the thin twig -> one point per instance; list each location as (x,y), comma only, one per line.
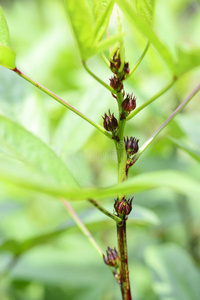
(153,98)
(105,211)
(139,60)
(98,79)
(169,119)
(82,227)
(61,101)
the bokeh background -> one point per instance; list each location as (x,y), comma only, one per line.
(164,227)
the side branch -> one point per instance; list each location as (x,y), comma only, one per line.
(169,119)
(105,211)
(82,226)
(153,98)
(61,101)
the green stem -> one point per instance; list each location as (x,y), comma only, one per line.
(139,60)
(106,212)
(105,60)
(153,98)
(82,227)
(120,146)
(98,79)
(61,101)
(121,229)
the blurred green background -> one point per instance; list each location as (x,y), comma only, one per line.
(57,262)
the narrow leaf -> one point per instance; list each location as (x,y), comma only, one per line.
(7,55)
(22,176)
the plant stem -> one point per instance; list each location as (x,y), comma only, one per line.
(139,60)
(121,229)
(82,227)
(98,79)
(153,98)
(61,101)
(105,211)
(169,119)
(122,249)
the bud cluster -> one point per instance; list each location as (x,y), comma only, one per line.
(112,258)
(123,207)
(116,82)
(110,122)
(131,145)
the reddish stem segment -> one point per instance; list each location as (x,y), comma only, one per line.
(122,248)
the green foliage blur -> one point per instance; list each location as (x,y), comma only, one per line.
(43,254)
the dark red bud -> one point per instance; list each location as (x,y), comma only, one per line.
(131,145)
(123,207)
(129,103)
(116,83)
(126,68)
(115,62)
(110,122)
(112,258)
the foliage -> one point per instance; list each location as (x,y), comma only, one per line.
(47,152)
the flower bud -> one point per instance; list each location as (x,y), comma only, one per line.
(116,83)
(110,122)
(115,63)
(131,145)
(123,207)
(129,103)
(112,258)
(126,68)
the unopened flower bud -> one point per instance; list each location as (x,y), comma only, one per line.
(112,258)
(126,68)
(110,122)
(129,103)
(123,207)
(131,145)
(116,83)
(115,62)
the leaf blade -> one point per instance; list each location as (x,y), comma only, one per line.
(146,8)
(7,55)
(82,24)
(24,149)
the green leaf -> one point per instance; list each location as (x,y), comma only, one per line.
(29,155)
(192,152)
(146,8)
(87,31)
(103,20)
(24,177)
(174,273)
(80,17)
(98,8)
(81,20)
(104,44)
(138,22)
(7,55)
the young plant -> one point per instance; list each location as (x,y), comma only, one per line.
(89,27)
